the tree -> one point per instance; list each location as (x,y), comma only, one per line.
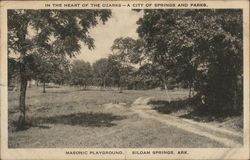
(158,73)
(121,71)
(102,72)
(81,73)
(53,31)
(202,48)
(114,70)
(62,73)
(126,51)
(130,51)
(47,67)
(144,78)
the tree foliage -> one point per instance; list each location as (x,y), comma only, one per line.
(81,73)
(57,32)
(124,54)
(202,48)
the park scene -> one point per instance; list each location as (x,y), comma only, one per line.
(159,78)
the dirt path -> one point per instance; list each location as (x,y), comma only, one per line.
(226,137)
(221,135)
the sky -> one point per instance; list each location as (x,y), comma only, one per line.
(121,24)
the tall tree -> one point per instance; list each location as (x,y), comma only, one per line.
(55,31)
(126,51)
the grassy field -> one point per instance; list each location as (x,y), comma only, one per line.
(66,117)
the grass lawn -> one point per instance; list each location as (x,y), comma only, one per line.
(66,117)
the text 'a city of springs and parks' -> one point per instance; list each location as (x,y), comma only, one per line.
(138,5)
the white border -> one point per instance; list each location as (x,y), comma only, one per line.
(194,153)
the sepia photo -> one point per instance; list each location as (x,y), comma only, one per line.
(144,82)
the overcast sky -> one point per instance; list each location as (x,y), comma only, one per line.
(121,24)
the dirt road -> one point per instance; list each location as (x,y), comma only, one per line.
(226,137)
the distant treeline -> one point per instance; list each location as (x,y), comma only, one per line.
(105,72)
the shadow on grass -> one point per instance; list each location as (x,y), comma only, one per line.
(80,119)
(201,117)
(206,114)
(166,107)
(81,90)
(28,125)
(191,109)
(59,92)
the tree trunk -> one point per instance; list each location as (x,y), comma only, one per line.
(23,76)
(235,100)
(101,86)
(29,84)
(236,97)
(23,86)
(104,83)
(120,85)
(44,87)
(120,90)
(190,91)
(166,90)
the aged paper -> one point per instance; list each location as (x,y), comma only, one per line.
(71,136)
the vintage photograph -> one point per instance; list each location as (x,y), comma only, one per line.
(128,78)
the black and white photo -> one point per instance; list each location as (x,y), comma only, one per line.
(157,80)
